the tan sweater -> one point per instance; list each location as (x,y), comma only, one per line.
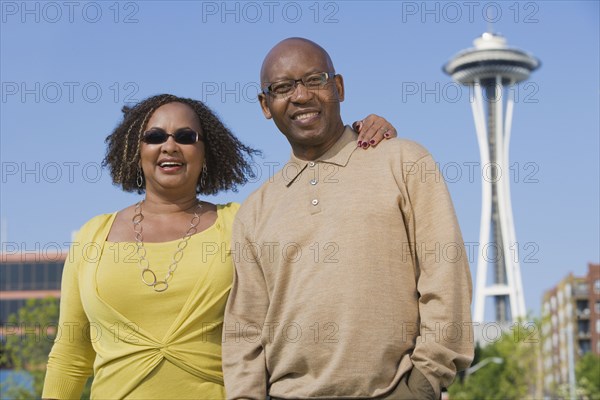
(350,271)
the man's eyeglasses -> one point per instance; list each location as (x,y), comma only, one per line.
(182,136)
(286,87)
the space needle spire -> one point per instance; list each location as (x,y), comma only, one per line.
(490,69)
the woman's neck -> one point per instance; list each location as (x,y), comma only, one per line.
(157,204)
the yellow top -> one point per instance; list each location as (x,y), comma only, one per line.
(141,343)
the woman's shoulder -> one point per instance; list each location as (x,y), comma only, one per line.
(98,220)
(230,208)
(227,213)
(96,224)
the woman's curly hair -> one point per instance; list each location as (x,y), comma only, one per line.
(228,161)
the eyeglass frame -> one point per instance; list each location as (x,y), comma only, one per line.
(199,137)
(267,90)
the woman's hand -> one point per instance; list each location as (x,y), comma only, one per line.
(372,130)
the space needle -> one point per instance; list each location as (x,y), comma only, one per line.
(490,69)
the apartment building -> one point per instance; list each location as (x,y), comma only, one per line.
(570,325)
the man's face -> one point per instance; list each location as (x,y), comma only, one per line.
(309,118)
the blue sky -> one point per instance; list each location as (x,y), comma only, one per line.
(67,68)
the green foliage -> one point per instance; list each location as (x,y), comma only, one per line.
(514,378)
(30,334)
(587,371)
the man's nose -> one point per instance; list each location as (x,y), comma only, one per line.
(300,93)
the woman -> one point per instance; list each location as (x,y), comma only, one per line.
(144,289)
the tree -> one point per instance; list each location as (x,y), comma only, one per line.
(29,337)
(587,371)
(30,334)
(514,378)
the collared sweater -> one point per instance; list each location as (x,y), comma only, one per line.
(350,271)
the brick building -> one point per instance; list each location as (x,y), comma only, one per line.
(570,325)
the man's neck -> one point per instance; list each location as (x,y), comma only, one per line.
(311,153)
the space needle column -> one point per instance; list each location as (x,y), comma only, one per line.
(490,69)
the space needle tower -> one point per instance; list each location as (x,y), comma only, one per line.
(490,69)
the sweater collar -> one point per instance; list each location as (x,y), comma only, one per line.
(339,154)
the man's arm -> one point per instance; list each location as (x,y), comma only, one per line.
(445,342)
(244,367)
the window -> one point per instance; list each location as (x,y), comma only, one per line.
(4,282)
(581,305)
(585,346)
(31,276)
(28,276)
(597,286)
(583,326)
(597,307)
(54,275)
(13,273)
(39,278)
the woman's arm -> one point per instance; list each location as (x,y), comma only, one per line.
(72,355)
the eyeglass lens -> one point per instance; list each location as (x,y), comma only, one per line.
(182,136)
(312,81)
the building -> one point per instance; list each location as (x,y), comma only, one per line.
(490,69)
(593,279)
(570,326)
(28,276)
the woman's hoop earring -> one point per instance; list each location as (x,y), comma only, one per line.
(139,179)
(203,176)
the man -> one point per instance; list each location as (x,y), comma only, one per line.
(351,278)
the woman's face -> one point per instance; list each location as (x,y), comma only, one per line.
(171,166)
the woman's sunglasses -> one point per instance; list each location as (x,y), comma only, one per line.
(182,136)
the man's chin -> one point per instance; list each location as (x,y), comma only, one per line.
(306,136)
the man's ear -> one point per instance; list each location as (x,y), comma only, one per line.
(339,84)
(262,98)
